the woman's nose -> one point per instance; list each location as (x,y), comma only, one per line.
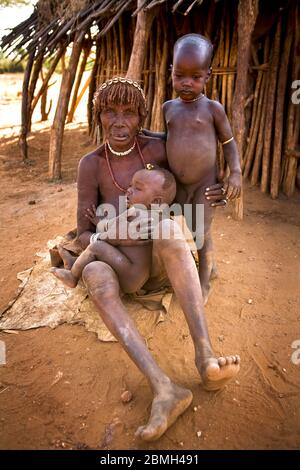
(119,120)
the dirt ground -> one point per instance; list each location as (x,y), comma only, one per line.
(61,388)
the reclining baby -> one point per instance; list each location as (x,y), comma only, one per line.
(151,188)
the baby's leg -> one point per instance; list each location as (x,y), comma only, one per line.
(71,277)
(205,253)
(131,264)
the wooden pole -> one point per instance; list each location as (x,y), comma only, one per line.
(272,80)
(279,115)
(142,29)
(57,129)
(247,14)
(86,52)
(24,112)
(47,78)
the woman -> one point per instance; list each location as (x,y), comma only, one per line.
(103,176)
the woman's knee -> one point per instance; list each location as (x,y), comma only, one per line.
(168,234)
(100,278)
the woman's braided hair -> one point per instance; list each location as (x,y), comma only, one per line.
(123,91)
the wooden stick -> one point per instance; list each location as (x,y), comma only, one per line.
(74,103)
(279,116)
(272,78)
(57,129)
(247,14)
(24,124)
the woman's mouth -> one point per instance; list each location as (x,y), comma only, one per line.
(119,137)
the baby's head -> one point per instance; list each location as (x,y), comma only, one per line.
(191,65)
(151,186)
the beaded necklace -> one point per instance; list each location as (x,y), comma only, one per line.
(110,168)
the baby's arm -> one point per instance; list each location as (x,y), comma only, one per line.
(233,183)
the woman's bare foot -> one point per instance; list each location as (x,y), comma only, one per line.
(67,258)
(215,373)
(65,276)
(166,408)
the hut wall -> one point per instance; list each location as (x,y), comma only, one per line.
(262,162)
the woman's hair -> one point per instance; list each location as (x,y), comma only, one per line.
(121,91)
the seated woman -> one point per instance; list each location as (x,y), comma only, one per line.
(103,176)
(148,188)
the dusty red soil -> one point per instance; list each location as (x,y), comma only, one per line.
(61,388)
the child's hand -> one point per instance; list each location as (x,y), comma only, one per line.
(90,213)
(232,185)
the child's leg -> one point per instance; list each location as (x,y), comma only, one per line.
(71,277)
(132,265)
(132,272)
(207,266)
(67,258)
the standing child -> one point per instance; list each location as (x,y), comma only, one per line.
(194,124)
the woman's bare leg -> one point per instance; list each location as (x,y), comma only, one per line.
(170,400)
(174,253)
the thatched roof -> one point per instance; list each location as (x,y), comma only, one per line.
(58,21)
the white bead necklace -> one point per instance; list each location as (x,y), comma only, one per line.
(121,154)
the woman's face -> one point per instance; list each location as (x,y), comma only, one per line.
(120,125)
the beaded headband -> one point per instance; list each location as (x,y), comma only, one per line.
(128,81)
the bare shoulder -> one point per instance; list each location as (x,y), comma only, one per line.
(91,160)
(168,104)
(153,147)
(217,109)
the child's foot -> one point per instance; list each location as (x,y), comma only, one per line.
(166,408)
(67,258)
(215,373)
(65,276)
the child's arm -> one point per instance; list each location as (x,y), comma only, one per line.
(159,135)
(233,183)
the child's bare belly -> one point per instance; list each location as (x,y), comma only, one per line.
(192,159)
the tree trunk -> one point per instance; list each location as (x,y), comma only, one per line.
(44,111)
(25,116)
(86,52)
(57,129)
(247,14)
(279,116)
(33,81)
(47,78)
(142,31)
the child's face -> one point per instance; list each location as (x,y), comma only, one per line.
(145,188)
(189,73)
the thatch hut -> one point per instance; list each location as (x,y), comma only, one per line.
(255,65)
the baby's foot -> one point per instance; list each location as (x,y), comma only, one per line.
(65,276)
(166,408)
(67,258)
(215,373)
